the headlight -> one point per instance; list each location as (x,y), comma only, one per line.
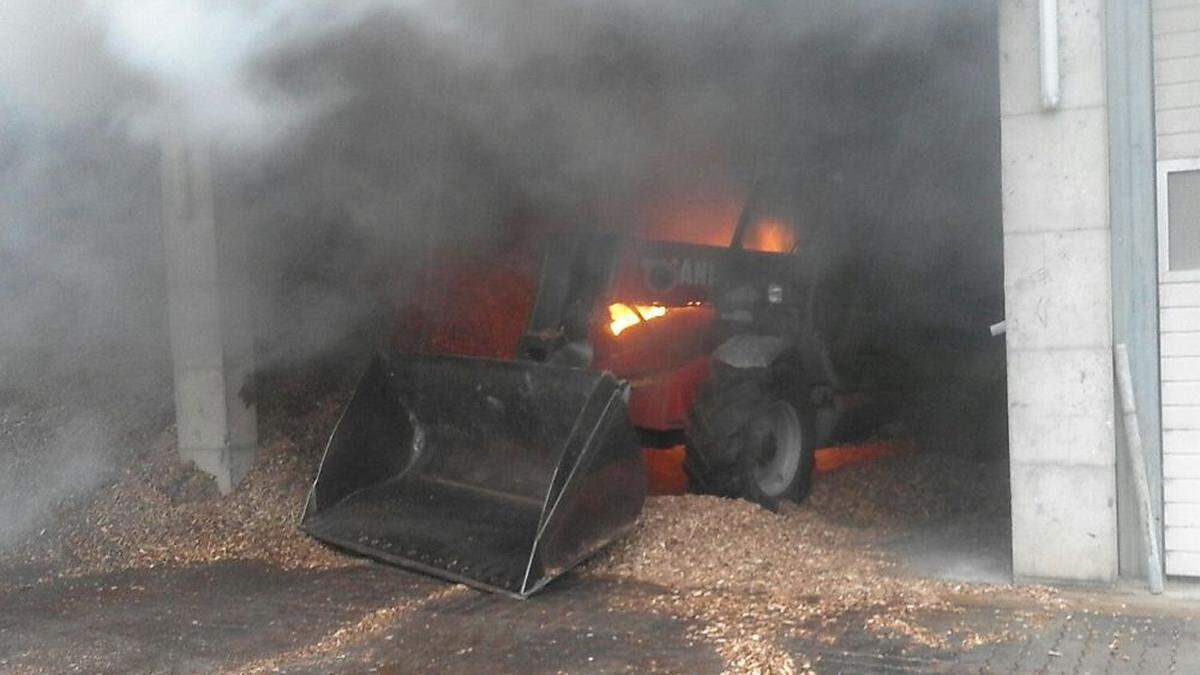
(774,294)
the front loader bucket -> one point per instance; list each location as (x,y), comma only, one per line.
(501,475)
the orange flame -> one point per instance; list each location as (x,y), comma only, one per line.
(623,316)
(770,236)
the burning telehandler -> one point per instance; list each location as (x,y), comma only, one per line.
(504,474)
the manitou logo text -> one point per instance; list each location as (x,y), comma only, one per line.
(663,275)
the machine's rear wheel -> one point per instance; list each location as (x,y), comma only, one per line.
(745,440)
(777,455)
(714,440)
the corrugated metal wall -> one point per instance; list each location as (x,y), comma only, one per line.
(1177,115)
(1177,77)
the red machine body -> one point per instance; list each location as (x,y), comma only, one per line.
(665,360)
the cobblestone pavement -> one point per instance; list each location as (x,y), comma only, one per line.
(1077,642)
(241,617)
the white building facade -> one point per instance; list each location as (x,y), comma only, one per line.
(1100,125)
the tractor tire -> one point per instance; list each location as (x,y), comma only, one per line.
(748,439)
(778,454)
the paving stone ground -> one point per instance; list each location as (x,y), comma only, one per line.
(239,617)
(1067,643)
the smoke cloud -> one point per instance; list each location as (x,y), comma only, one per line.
(348,134)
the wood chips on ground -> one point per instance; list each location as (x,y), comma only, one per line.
(750,579)
(747,578)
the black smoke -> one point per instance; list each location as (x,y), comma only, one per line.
(349,137)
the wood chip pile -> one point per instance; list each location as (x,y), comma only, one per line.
(912,487)
(751,579)
(142,521)
(154,510)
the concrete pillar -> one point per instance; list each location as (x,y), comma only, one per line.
(210,318)
(1058,301)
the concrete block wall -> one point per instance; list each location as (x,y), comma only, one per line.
(1058,300)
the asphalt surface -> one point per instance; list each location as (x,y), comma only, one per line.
(248,617)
